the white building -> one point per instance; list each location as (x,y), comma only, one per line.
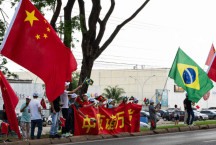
(140,83)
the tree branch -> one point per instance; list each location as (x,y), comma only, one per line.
(67,23)
(104,22)
(93,19)
(118,28)
(56,14)
(82,16)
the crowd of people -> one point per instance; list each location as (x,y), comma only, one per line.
(62,112)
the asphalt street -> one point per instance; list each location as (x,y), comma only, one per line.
(200,137)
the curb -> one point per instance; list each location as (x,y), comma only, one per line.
(93,137)
(173,129)
(105,136)
(194,127)
(160,131)
(59,140)
(150,132)
(203,126)
(185,128)
(123,134)
(210,126)
(78,138)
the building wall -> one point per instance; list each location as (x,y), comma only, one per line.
(139,83)
(142,84)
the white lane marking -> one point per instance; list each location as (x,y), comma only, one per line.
(210,141)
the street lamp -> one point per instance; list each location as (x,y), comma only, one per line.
(142,84)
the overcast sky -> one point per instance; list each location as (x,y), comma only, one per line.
(153,37)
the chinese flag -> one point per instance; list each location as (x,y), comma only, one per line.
(62,120)
(4,128)
(210,55)
(10,102)
(32,43)
(43,104)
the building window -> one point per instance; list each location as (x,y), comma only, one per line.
(178,89)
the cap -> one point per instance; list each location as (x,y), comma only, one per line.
(86,94)
(74,95)
(151,101)
(110,100)
(28,97)
(91,99)
(135,100)
(35,95)
(67,83)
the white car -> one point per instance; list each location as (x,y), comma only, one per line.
(201,115)
(145,125)
(49,120)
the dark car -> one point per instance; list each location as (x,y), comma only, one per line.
(161,112)
(182,115)
(166,116)
(211,114)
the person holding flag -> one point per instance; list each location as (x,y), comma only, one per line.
(65,101)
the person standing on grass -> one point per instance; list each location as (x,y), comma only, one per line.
(190,113)
(55,115)
(36,118)
(65,107)
(25,120)
(152,113)
(176,115)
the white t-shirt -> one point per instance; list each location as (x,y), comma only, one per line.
(33,107)
(64,99)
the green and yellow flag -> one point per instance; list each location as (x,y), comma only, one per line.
(188,75)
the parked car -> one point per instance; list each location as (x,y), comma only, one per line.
(161,112)
(144,117)
(211,114)
(182,115)
(49,120)
(201,115)
(170,109)
(145,113)
(212,109)
(166,116)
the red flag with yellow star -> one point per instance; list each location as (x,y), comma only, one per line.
(32,43)
(10,103)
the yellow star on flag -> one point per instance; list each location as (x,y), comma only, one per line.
(37,36)
(31,17)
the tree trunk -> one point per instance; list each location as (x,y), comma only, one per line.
(67,23)
(87,64)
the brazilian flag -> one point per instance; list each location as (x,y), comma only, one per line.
(188,75)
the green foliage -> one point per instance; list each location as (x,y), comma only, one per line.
(113,93)
(74,81)
(2,30)
(5,70)
(39,4)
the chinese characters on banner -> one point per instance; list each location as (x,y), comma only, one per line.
(108,121)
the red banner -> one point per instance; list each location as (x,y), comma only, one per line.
(108,121)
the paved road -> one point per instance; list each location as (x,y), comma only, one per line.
(201,137)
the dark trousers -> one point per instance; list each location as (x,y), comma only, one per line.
(70,122)
(37,122)
(65,115)
(190,117)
